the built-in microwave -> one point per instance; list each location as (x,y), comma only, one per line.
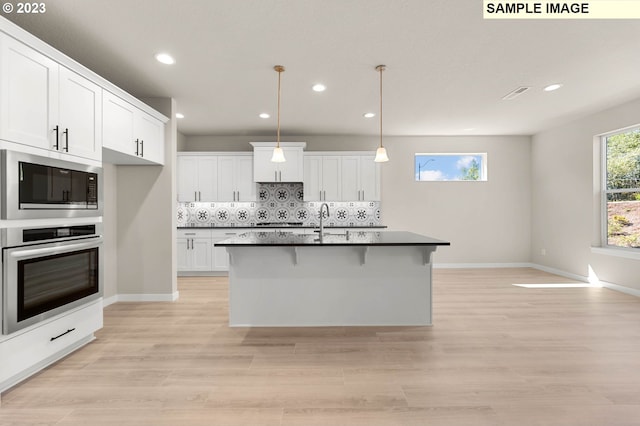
(35,187)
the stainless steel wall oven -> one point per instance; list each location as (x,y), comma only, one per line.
(47,271)
(35,187)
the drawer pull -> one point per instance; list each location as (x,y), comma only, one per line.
(60,335)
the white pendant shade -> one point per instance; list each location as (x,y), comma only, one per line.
(381,155)
(278,155)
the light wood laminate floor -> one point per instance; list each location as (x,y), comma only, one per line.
(497,354)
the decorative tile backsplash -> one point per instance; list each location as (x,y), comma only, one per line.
(278,202)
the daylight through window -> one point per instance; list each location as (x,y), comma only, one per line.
(621,200)
(451,167)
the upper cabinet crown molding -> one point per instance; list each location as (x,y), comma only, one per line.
(302,145)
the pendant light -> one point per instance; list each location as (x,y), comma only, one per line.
(381,152)
(278,154)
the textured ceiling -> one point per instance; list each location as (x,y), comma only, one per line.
(447,68)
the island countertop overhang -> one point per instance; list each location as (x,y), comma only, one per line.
(357,238)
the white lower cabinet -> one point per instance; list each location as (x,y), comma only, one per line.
(197,251)
(194,250)
(25,352)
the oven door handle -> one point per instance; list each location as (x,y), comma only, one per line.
(60,248)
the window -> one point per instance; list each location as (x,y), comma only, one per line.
(451,167)
(621,192)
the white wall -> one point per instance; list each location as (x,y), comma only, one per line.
(486,222)
(146,225)
(110,223)
(565,198)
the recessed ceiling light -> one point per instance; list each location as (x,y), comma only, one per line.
(552,87)
(165,58)
(264,115)
(179,115)
(319,87)
(368,115)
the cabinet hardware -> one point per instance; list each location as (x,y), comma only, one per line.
(137,147)
(57,145)
(324,195)
(66,139)
(141,147)
(363,195)
(280,179)
(195,195)
(275,174)
(60,335)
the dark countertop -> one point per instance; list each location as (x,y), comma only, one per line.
(355,238)
(280,226)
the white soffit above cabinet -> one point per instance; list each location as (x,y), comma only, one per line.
(447,68)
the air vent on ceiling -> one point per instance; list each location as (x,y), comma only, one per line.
(515,93)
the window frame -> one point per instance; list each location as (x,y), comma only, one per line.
(604,191)
(484,177)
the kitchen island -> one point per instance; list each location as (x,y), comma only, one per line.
(349,279)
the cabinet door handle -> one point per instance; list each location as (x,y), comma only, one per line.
(141,147)
(195,195)
(280,176)
(324,195)
(60,335)
(57,130)
(199,196)
(66,140)
(363,197)
(137,147)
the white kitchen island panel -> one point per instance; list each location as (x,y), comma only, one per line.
(333,283)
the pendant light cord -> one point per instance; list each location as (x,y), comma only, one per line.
(279,69)
(381,68)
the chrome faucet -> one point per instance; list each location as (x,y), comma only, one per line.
(322,206)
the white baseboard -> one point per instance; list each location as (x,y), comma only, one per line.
(562,273)
(109,300)
(622,289)
(172,297)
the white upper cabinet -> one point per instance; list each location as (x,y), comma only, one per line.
(45,105)
(360,178)
(130,135)
(215,177)
(80,116)
(292,170)
(29,91)
(235,178)
(197,176)
(322,177)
